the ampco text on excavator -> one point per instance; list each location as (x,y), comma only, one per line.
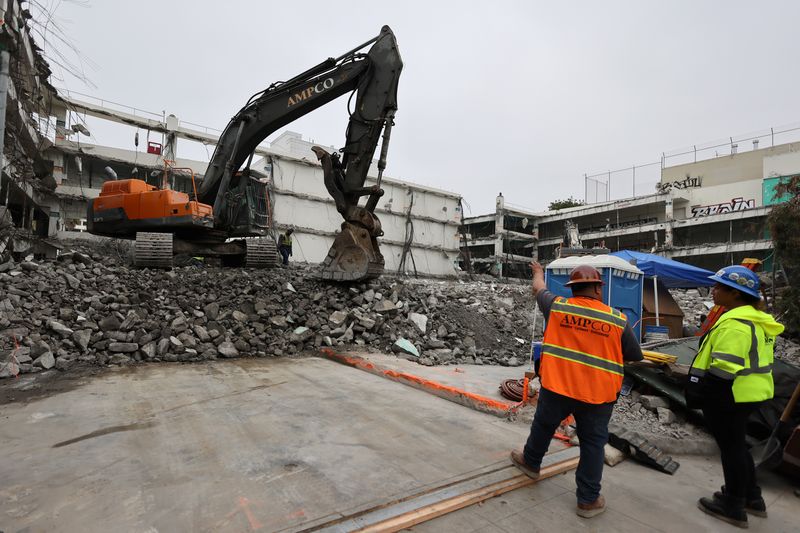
(226,215)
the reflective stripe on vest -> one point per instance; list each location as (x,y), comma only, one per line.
(750,380)
(583,358)
(582,350)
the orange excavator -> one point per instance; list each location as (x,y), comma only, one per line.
(227,214)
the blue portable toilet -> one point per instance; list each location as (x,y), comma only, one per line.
(623,287)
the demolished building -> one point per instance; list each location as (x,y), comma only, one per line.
(28,129)
(706,213)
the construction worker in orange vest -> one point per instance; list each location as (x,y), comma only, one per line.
(584,347)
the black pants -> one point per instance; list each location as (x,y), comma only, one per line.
(728,425)
(592,426)
(285,253)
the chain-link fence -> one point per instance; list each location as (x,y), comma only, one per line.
(642,180)
(637,180)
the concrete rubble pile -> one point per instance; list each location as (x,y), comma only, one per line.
(693,303)
(81,311)
(652,414)
(787,350)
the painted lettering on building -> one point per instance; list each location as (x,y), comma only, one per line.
(687,183)
(736,204)
(311,90)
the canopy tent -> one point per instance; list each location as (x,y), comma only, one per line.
(673,274)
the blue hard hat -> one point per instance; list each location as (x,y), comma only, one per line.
(740,278)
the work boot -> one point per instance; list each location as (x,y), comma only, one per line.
(755,505)
(588,510)
(518,458)
(727,509)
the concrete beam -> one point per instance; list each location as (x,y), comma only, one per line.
(378,210)
(484,241)
(505,258)
(582,211)
(618,232)
(721,248)
(516,235)
(724,217)
(159,126)
(478,220)
(299,230)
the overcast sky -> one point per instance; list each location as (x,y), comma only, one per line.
(522,97)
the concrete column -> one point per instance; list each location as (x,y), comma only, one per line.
(499,231)
(670,218)
(60,113)
(171,144)
(535,249)
(4,58)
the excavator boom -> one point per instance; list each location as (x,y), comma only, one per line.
(374,76)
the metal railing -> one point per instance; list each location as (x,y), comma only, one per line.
(641,180)
(135,111)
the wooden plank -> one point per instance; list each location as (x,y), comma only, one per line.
(432,504)
(448,506)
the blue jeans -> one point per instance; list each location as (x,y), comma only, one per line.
(285,254)
(592,424)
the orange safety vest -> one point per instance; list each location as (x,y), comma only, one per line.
(582,350)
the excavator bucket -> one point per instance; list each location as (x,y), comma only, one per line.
(353,256)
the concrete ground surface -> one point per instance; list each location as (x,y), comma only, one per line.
(478,379)
(283,444)
(266,445)
(637,499)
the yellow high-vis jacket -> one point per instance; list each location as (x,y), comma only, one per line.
(739,349)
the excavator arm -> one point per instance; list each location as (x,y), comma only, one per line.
(374,76)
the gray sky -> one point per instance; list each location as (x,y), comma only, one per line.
(522,97)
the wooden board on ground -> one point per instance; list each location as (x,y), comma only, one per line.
(405,513)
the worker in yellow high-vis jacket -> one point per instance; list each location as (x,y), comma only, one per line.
(729,379)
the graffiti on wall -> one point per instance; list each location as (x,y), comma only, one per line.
(736,204)
(687,183)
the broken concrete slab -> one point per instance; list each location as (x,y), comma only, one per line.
(59,328)
(384,306)
(110,323)
(420,321)
(665,415)
(301,334)
(337,318)
(46,361)
(227,349)
(653,402)
(8,369)
(405,346)
(613,456)
(123,347)
(82,338)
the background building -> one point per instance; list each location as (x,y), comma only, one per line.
(708,213)
(27,129)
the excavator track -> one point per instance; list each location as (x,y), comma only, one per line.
(261,253)
(153,250)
